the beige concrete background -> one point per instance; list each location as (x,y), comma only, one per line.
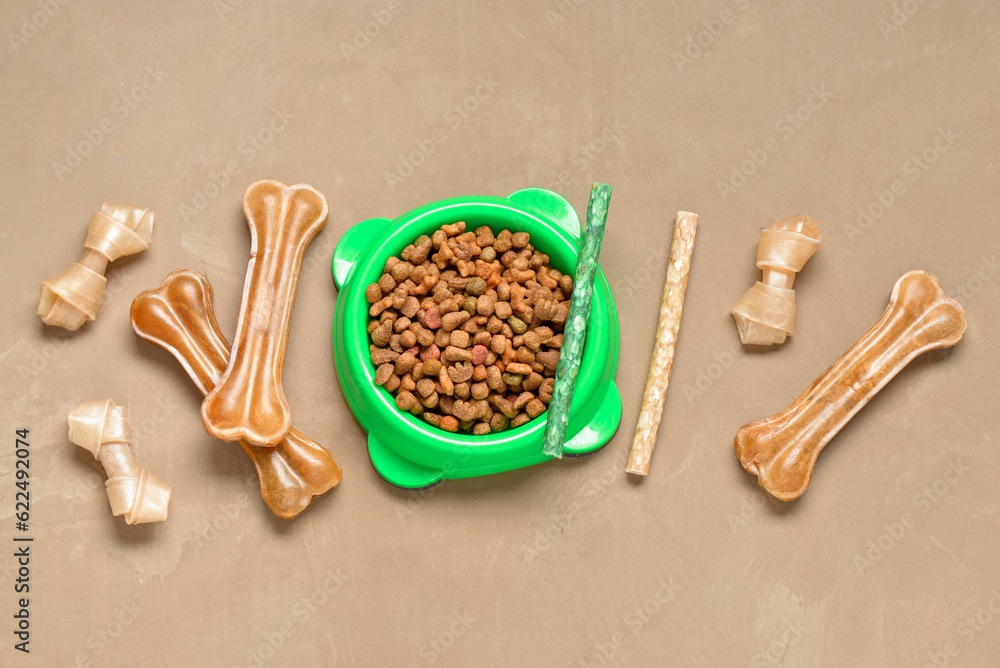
(742,111)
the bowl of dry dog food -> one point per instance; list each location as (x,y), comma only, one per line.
(448,330)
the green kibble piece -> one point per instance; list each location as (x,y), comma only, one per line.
(488,254)
(517,325)
(512,378)
(475,287)
(470,304)
(422,239)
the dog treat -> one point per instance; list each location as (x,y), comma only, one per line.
(178,316)
(766,313)
(466,328)
(102,428)
(248,403)
(782,450)
(72,298)
(576,322)
(667,328)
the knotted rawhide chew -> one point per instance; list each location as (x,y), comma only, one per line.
(178,316)
(248,403)
(575,332)
(72,298)
(766,313)
(102,428)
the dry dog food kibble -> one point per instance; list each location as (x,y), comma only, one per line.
(466,328)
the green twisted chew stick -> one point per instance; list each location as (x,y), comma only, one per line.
(575,333)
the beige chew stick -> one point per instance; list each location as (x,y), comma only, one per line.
(666,343)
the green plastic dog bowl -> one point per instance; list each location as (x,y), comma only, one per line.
(404,449)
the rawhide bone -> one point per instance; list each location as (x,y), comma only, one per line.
(102,428)
(178,316)
(766,313)
(72,297)
(248,403)
(782,450)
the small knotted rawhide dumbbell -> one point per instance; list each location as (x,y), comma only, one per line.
(72,297)
(766,313)
(102,428)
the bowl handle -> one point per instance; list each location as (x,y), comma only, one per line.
(398,471)
(551,205)
(352,244)
(600,427)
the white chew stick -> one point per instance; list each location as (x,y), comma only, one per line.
(666,343)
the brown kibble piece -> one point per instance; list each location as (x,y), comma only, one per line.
(454,320)
(405,401)
(449,423)
(532,382)
(425,387)
(518,369)
(534,408)
(383,373)
(481,429)
(454,354)
(373,293)
(520,419)
(432,367)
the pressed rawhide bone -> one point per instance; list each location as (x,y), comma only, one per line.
(782,450)
(102,428)
(178,316)
(248,403)
(766,313)
(72,297)
(671,306)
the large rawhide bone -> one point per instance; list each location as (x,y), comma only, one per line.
(765,315)
(102,428)
(782,450)
(178,316)
(248,403)
(72,297)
